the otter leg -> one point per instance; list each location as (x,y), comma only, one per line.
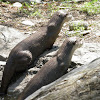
(24,58)
(7,75)
(16,63)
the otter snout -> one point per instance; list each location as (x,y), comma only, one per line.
(77,42)
(66,14)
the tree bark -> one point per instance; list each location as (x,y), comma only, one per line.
(82,83)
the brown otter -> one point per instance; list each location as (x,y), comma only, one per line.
(25,52)
(53,69)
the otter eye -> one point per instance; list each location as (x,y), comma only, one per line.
(66,14)
(59,15)
(74,42)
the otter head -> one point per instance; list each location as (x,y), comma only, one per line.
(76,42)
(65,15)
(58,19)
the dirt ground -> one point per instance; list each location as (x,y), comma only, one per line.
(12,17)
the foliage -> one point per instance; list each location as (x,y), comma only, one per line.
(76,31)
(76,28)
(30,10)
(1,0)
(92,7)
(38,9)
(35,9)
(45,10)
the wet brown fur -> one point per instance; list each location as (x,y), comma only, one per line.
(26,52)
(53,69)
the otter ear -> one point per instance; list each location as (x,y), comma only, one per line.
(51,25)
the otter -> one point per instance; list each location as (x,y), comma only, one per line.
(53,69)
(25,53)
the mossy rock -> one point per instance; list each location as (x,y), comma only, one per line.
(78,25)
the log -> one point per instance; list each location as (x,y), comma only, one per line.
(82,83)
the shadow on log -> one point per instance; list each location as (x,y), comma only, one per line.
(80,84)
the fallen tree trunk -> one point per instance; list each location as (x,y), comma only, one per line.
(82,83)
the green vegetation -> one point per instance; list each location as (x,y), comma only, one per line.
(79,28)
(2,21)
(45,10)
(7,2)
(1,0)
(76,31)
(92,7)
(38,10)
(30,10)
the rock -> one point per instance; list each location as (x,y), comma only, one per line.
(73,33)
(80,84)
(2,63)
(45,57)
(1,70)
(0,75)
(87,53)
(83,55)
(97,34)
(17,4)
(9,37)
(33,71)
(3,57)
(17,87)
(37,1)
(75,25)
(28,22)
